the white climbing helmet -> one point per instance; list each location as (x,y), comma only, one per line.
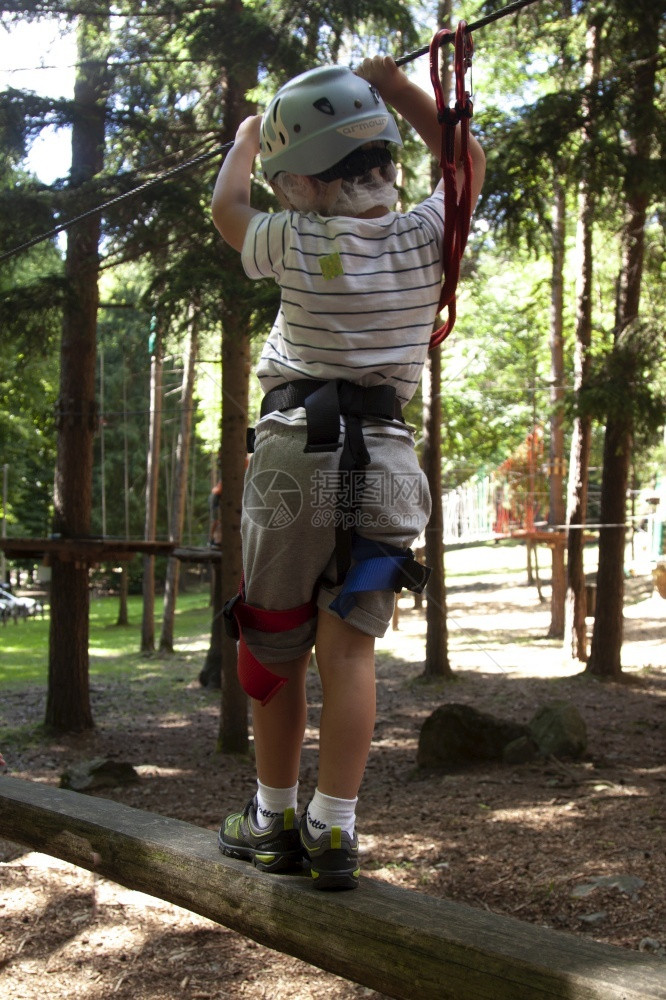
(319,118)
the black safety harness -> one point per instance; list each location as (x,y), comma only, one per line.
(325,402)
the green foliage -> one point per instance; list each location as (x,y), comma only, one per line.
(23,115)
(119,476)
(534,101)
(31,289)
(29,308)
(629,380)
(495,364)
(519,147)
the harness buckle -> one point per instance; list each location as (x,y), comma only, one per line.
(413,576)
(230,623)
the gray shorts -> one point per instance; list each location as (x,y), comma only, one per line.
(288,528)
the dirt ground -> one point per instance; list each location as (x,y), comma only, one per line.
(532,841)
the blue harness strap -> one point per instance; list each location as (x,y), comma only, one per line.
(379,566)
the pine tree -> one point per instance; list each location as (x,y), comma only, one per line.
(637,33)
(68,702)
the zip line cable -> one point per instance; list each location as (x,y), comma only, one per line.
(114,201)
(203,157)
(512,8)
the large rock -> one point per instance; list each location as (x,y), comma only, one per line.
(455,735)
(521,751)
(98,773)
(558,730)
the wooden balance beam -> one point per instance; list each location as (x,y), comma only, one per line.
(402,943)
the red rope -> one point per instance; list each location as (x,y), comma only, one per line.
(457,208)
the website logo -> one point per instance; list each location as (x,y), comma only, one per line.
(272,499)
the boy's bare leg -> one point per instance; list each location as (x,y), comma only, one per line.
(265,832)
(346,661)
(279,726)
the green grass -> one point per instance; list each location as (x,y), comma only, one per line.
(114,649)
(492,559)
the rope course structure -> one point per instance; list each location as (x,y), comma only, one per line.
(512,501)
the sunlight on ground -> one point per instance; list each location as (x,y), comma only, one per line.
(199,645)
(114,924)
(15,901)
(8,650)
(502,627)
(153,771)
(96,653)
(651,607)
(567,814)
(175,722)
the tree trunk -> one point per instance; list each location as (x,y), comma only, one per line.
(575,634)
(556,511)
(575,639)
(605,652)
(236,364)
(68,699)
(233,736)
(123,616)
(152,485)
(180,478)
(210,675)
(436,651)
(437,648)
(533,578)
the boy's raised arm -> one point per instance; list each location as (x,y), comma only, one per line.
(230,205)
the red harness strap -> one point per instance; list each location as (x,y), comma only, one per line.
(256,679)
(457,210)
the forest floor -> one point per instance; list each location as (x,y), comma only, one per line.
(576,846)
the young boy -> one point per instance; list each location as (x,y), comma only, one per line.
(359,293)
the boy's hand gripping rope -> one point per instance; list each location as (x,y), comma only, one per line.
(457,205)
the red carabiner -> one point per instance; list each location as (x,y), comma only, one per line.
(442,36)
(457,208)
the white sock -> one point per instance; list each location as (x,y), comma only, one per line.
(325,812)
(272,802)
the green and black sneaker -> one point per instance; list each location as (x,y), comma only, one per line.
(277,848)
(333,857)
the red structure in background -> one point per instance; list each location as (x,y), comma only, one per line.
(522,489)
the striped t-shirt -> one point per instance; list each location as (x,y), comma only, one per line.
(359,296)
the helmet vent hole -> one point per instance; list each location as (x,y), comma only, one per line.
(324,105)
(297,128)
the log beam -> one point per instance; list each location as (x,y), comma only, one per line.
(401,943)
